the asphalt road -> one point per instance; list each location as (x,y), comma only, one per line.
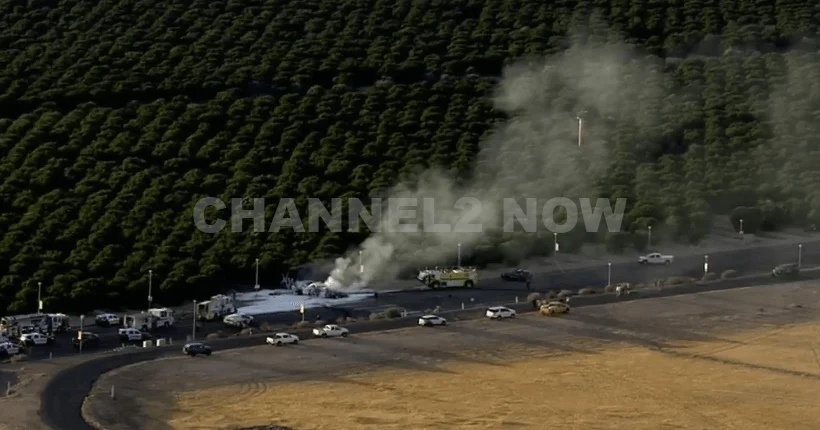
(490,291)
(62,399)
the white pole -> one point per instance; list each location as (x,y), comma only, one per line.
(799,256)
(150,299)
(361,262)
(705,264)
(555,241)
(256,285)
(649,239)
(39,298)
(580,130)
(459,255)
(608,274)
(741,227)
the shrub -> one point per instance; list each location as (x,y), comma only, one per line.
(609,289)
(552,294)
(391,313)
(246,331)
(729,274)
(709,276)
(265,326)
(678,280)
(217,335)
(566,293)
(18,357)
(587,291)
(302,324)
(377,316)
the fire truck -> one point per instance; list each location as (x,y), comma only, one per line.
(466,277)
(150,320)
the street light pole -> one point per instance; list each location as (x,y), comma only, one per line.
(256,285)
(705,264)
(608,274)
(80,334)
(649,238)
(459,255)
(799,256)
(193,330)
(150,298)
(741,227)
(555,241)
(39,297)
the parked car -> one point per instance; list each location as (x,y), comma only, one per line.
(36,339)
(7,349)
(331,330)
(431,320)
(133,335)
(500,312)
(517,275)
(106,320)
(238,320)
(280,339)
(194,349)
(554,308)
(87,340)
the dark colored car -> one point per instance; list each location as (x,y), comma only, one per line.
(194,349)
(784,270)
(517,275)
(89,340)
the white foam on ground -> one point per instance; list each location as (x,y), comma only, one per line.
(271,301)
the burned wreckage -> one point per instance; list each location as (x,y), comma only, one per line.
(313,288)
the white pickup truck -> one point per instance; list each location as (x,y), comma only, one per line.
(330,330)
(656,258)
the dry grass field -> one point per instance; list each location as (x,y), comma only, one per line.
(744,359)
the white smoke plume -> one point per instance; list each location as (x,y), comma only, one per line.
(534,154)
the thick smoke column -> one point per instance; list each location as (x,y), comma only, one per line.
(532,155)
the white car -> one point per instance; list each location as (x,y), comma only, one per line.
(656,258)
(499,312)
(132,335)
(106,320)
(431,320)
(331,330)
(280,339)
(8,349)
(238,320)
(32,339)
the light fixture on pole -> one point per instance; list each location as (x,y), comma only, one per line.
(741,227)
(150,297)
(39,297)
(705,264)
(649,237)
(256,285)
(608,274)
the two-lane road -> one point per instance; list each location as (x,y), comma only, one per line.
(492,291)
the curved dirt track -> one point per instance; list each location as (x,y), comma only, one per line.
(592,351)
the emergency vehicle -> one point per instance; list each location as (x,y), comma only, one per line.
(152,319)
(16,325)
(218,306)
(449,277)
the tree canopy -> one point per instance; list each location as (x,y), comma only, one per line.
(116,118)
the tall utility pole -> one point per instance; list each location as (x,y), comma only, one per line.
(649,238)
(580,118)
(150,298)
(459,255)
(39,297)
(361,263)
(555,241)
(256,285)
(799,256)
(608,274)
(193,329)
(705,264)
(741,227)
